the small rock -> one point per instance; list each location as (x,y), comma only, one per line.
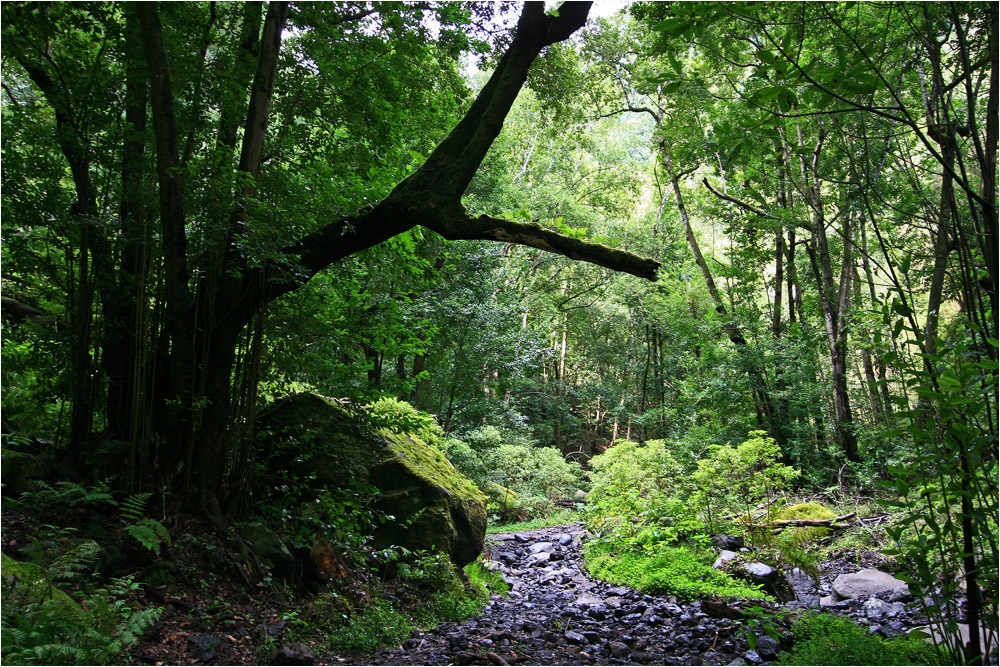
(294,653)
(642,657)
(725,556)
(875,608)
(767,647)
(520,537)
(799,580)
(752,657)
(639,644)
(575,638)
(565,540)
(539,547)
(728,542)
(539,557)
(901,594)
(588,600)
(738,661)
(618,649)
(204,648)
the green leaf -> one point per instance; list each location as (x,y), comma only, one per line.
(674,27)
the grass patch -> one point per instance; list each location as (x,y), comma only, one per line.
(683,571)
(560,518)
(830,639)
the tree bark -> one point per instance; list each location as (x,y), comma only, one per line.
(834,298)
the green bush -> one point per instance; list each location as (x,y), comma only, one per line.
(830,639)
(683,571)
(520,479)
(374,628)
(735,479)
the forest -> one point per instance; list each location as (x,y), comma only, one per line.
(499,333)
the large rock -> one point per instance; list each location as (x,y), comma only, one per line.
(864,583)
(21,472)
(271,549)
(433,505)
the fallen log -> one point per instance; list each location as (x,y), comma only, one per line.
(821,523)
(717,609)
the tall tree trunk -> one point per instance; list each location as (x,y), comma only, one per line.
(766,415)
(834,297)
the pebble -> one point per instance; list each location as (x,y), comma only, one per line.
(557,615)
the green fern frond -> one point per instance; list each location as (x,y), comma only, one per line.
(75,562)
(134,506)
(150,533)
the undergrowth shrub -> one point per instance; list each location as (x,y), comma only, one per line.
(734,480)
(520,479)
(682,570)
(42,625)
(831,639)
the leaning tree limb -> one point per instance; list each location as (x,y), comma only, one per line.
(431,196)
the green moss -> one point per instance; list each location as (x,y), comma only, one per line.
(33,585)
(560,518)
(678,570)
(830,639)
(804,534)
(804,511)
(427,462)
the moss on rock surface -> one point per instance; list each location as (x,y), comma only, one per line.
(332,446)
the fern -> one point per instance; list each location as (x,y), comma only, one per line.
(134,506)
(70,494)
(100,631)
(73,564)
(150,533)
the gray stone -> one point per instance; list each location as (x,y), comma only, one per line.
(588,600)
(752,657)
(728,542)
(767,647)
(800,581)
(538,547)
(203,647)
(618,649)
(565,540)
(725,556)
(808,601)
(875,608)
(864,583)
(294,653)
(901,594)
(575,638)
(539,558)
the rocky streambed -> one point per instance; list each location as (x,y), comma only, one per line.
(557,615)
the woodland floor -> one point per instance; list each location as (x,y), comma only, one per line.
(555,613)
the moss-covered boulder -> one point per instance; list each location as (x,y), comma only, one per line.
(323,444)
(27,583)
